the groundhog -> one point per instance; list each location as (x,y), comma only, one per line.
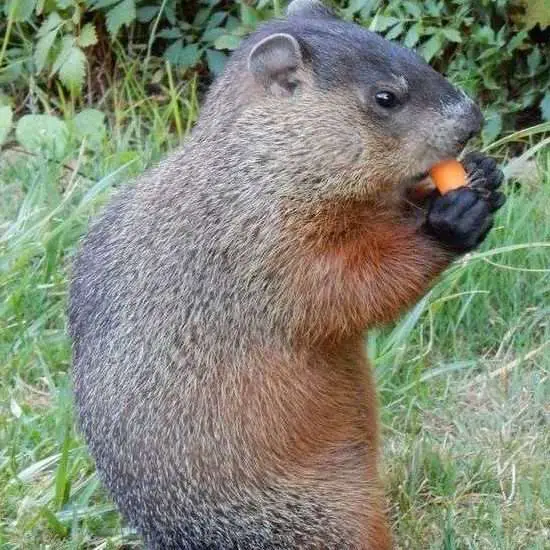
(219,304)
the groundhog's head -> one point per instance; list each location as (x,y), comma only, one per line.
(339,108)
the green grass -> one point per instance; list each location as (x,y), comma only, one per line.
(463,378)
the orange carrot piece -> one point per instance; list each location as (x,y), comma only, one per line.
(448,175)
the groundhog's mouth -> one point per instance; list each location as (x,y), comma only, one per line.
(418,188)
(419,177)
(420,180)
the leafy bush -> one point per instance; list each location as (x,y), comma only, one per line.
(498,50)
(50,38)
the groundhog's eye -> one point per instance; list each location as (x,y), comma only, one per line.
(386,99)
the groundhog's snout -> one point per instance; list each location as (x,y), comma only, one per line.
(469,121)
(471,124)
(461,121)
(457,120)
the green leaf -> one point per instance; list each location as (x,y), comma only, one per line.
(122,14)
(451,34)
(98,4)
(413,9)
(413,36)
(489,81)
(183,56)
(216,19)
(146,14)
(19,10)
(488,53)
(527,100)
(395,31)
(170,34)
(517,41)
(382,23)
(355,6)
(502,36)
(77,15)
(42,50)
(431,47)
(66,45)
(370,7)
(89,124)
(6,119)
(545,106)
(173,52)
(232,24)
(485,35)
(249,16)
(88,36)
(11,73)
(433,8)
(49,24)
(227,42)
(37,133)
(493,127)
(200,17)
(534,60)
(216,61)
(64,4)
(73,71)
(432,30)
(210,35)
(170,14)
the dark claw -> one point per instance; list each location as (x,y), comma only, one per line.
(484,170)
(485,177)
(488,165)
(475,156)
(472,160)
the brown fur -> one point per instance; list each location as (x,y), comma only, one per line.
(382,260)
(317,410)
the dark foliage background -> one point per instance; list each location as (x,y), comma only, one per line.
(498,50)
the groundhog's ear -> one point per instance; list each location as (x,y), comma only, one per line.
(308,8)
(275,61)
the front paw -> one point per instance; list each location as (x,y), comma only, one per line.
(460,219)
(485,177)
